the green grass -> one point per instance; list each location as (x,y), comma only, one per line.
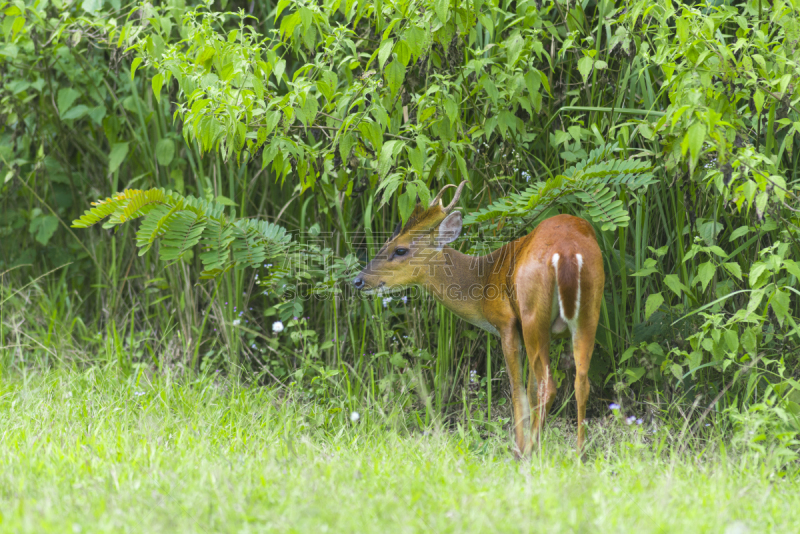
(97,451)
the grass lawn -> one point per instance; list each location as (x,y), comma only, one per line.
(93,451)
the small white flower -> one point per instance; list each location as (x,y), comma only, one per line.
(237,322)
(139,393)
(404,299)
(354,417)
(277,327)
(386,301)
(253,346)
(630,420)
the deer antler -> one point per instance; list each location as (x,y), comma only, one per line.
(452,204)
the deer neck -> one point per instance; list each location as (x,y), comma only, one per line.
(457,281)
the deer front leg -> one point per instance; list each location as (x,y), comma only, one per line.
(519,399)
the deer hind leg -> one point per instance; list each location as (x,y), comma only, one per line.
(540,377)
(519,400)
(582,348)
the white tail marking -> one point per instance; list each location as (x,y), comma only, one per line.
(572,323)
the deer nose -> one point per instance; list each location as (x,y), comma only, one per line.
(358,282)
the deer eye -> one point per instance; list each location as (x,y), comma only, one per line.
(400,251)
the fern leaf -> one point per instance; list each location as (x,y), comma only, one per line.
(215,240)
(183,222)
(155,225)
(591,182)
(184,233)
(103,209)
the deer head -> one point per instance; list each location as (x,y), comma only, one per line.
(408,256)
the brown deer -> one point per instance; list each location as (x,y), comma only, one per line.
(546,284)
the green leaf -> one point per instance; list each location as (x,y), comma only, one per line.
(634,374)
(734,269)
(135,65)
(417,159)
(462,166)
(66,97)
(792,268)
(75,113)
(718,251)
(92,6)
(705,272)
(693,141)
(758,100)
(732,340)
(397,360)
(403,52)
(97,113)
(17,26)
(43,228)
(739,232)
(157,82)
(271,120)
(533,82)
(648,268)
(386,158)
(654,301)
(407,202)
(306,17)
(395,73)
(673,282)
(749,340)
(118,153)
(676,370)
(346,143)
(9,50)
(758,274)
(629,352)
(225,201)
(204,58)
(165,151)
(280,66)
(513,48)
(585,67)
(780,304)
(385,51)
(442,7)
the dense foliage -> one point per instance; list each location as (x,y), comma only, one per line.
(669,126)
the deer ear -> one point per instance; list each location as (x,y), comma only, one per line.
(397,230)
(449,229)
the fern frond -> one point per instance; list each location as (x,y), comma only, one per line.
(215,242)
(180,223)
(248,251)
(149,229)
(103,209)
(594,182)
(185,232)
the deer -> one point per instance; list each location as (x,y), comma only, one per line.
(545,285)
